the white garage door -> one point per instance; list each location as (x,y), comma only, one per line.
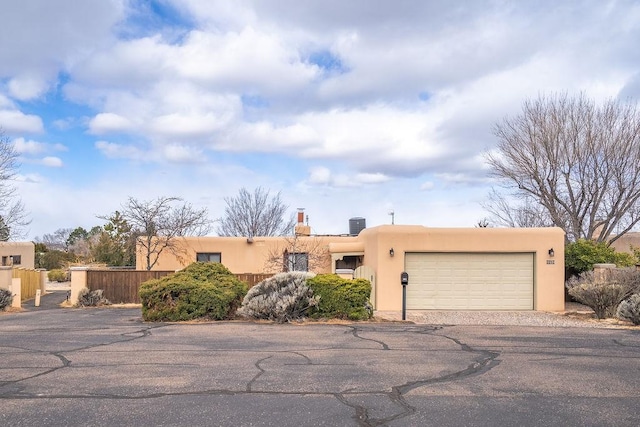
(469,281)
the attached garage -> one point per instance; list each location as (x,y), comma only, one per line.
(470,281)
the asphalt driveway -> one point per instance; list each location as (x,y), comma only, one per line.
(104,367)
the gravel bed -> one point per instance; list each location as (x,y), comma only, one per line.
(575,315)
(57,286)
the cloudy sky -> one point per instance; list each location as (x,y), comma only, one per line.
(348,108)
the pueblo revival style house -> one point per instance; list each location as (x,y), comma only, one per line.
(447,268)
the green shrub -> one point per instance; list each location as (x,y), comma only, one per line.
(629,309)
(580,256)
(282,298)
(200,291)
(341,298)
(603,295)
(6,298)
(87,298)
(624,259)
(58,275)
(54,259)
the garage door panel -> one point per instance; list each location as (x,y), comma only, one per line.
(470,281)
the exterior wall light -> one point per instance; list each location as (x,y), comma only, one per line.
(551,252)
(391,252)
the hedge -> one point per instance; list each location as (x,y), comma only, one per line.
(341,298)
(200,291)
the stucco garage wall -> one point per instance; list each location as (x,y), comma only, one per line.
(548,271)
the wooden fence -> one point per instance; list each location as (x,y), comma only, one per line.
(252,278)
(121,286)
(29,282)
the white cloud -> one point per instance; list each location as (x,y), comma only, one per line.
(427,186)
(31,147)
(109,122)
(29,178)
(371,178)
(391,100)
(28,147)
(5,102)
(462,179)
(319,176)
(27,87)
(57,35)
(322,176)
(370,117)
(52,162)
(118,151)
(12,121)
(183,154)
(250,60)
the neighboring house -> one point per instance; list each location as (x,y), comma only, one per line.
(448,268)
(626,242)
(18,254)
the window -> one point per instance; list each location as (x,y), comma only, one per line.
(297,261)
(209,257)
(12,260)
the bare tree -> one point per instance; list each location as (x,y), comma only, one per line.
(160,223)
(5,231)
(12,210)
(525,212)
(298,253)
(255,214)
(580,162)
(58,240)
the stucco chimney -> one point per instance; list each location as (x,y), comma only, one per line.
(301,229)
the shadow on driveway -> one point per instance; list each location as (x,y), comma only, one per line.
(51,300)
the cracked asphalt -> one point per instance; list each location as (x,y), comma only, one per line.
(105,367)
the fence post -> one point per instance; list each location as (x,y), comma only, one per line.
(43,280)
(78,282)
(16,290)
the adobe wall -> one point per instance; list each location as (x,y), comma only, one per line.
(548,277)
(26,251)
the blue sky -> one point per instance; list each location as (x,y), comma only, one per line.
(349,109)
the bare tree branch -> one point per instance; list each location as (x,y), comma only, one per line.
(255,214)
(12,210)
(159,225)
(298,253)
(573,163)
(57,240)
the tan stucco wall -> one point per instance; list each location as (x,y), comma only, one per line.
(626,241)
(26,250)
(241,256)
(549,278)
